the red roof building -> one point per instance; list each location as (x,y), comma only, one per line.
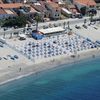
(85,6)
(86,2)
(11,5)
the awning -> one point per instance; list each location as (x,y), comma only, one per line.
(52,30)
(67,11)
(22,35)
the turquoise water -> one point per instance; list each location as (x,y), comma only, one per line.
(80,81)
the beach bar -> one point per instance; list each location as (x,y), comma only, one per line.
(52,30)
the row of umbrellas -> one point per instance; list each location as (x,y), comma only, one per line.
(55,45)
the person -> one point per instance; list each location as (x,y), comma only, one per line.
(19,69)
(93,56)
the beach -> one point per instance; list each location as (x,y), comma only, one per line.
(22,58)
(14,73)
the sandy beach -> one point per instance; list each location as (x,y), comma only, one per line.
(14,72)
(16,62)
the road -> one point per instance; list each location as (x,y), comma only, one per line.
(61,22)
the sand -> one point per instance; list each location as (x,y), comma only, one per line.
(20,70)
(12,70)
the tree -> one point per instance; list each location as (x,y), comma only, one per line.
(64,24)
(37,19)
(19,21)
(85,21)
(91,17)
(83,10)
(4,34)
(10,35)
(68,26)
(1,22)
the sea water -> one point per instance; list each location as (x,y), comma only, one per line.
(79,81)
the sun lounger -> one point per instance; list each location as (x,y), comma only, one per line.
(15,56)
(5,58)
(0,58)
(12,58)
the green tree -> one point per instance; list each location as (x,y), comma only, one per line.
(64,23)
(85,21)
(68,26)
(19,21)
(91,17)
(37,19)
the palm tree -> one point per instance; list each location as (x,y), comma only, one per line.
(91,16)
(10,35)
(37,19)
(4,35)
(70,32)
(84,21)
(64,24)
(68,25)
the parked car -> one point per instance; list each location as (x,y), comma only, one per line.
(85,26)
(80,16)
(15,56)
(5,28)
(45,27)
(73,16)
(78,27)
(55,25)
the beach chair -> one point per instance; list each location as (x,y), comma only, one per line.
(0,58)
(15,56)
(5,58)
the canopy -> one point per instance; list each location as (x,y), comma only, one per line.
(37,35)
(22,35)
(65,10)
(52,30)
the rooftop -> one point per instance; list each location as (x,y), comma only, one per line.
(86,2)
(54,5)
(11,5)
(32,10)
(2,11)
(39,8)
(8,11)
(1,1)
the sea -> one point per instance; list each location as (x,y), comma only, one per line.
(77,81)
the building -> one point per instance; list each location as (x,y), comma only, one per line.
(40,7)
(85,6)
(11,5)
(66,12)
(72,9)
(6,10)
(6,13)
(97,1)
(14,9)
(1,1)
(54,10)
(30,1)
(27,11)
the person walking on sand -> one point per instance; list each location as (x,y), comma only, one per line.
(20,69)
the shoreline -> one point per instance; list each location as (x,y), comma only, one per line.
(35,69)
